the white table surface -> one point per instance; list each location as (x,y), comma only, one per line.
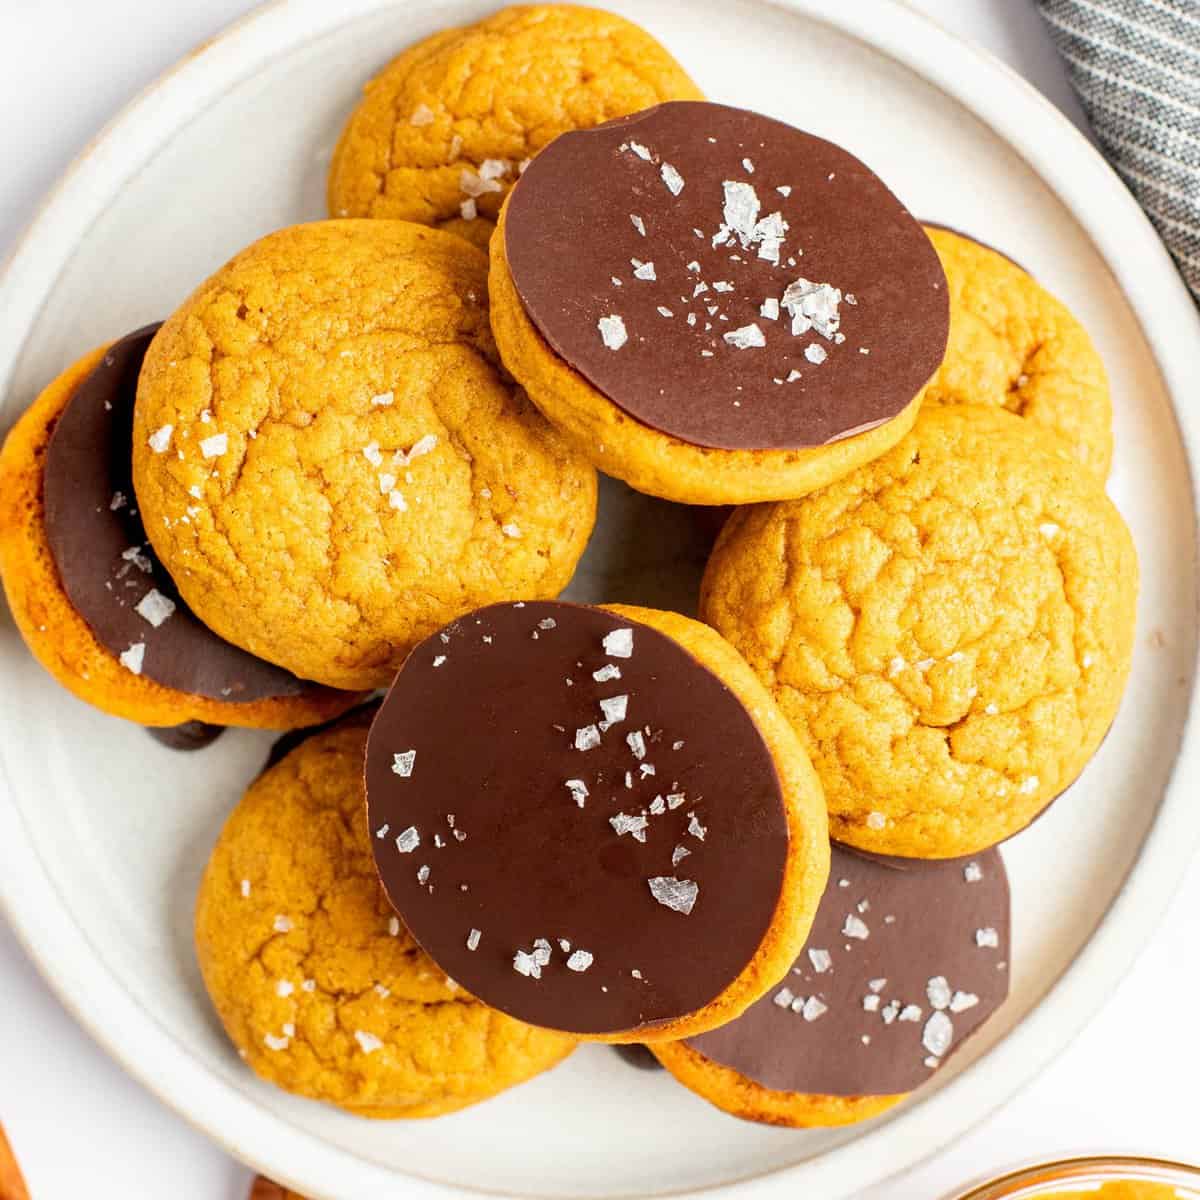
(82,1127)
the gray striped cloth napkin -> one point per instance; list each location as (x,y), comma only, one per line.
(1136,67)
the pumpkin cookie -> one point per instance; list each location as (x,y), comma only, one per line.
(1014,345)
(949,629)
(713,306)
(330,461)
(443,130)
(633,847)
(317,983)
(88,593)
(900,969)
(12,1184)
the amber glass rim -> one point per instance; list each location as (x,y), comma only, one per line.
(1097,1168)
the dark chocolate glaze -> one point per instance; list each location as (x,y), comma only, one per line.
(569,231)
(937,913)
(488,709)
(639,1056)
(105,561)
(191,735)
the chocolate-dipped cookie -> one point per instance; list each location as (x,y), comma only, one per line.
(900,969)
(595,820)
(714,306)
(87,592)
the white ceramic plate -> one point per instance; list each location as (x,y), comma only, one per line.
(103,833)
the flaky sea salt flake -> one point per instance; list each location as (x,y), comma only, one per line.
(938,1034)
(676,894)
(578,790)
(579,960)
(972,872)
(215,446)
(814,1008)
(402,763)
(612,331)
(746,338)
(987,938)
(855,927)
(821,960)
(619,643)
(160,440)
(938,991)
(154,607)
(623,823)
(133,657)
(408,841)
(587,738)
(672,178)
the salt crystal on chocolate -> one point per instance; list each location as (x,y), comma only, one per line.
(154,607)
(938,1034)
(612,331)
(619,643)
(747,337)
(677,894)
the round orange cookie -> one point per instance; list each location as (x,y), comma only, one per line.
(635,845)
(948,628)
(321,989)
(1014,345)
(331,461)
(109,676)
(442,131)
(714,306)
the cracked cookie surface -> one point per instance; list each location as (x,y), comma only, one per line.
(332,464)
(949,628)
(1014,345)
(317,983)
(492,93)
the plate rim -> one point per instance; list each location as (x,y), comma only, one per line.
(1074,172)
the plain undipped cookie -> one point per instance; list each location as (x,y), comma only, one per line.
(948,628)
(330,461)
(1014,345)
(317,983)
(441,131)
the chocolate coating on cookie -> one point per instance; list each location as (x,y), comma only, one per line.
(190,735)
(105,562)
(904,966)
(576,819)
(727,279)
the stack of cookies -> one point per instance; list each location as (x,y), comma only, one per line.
(364,455)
